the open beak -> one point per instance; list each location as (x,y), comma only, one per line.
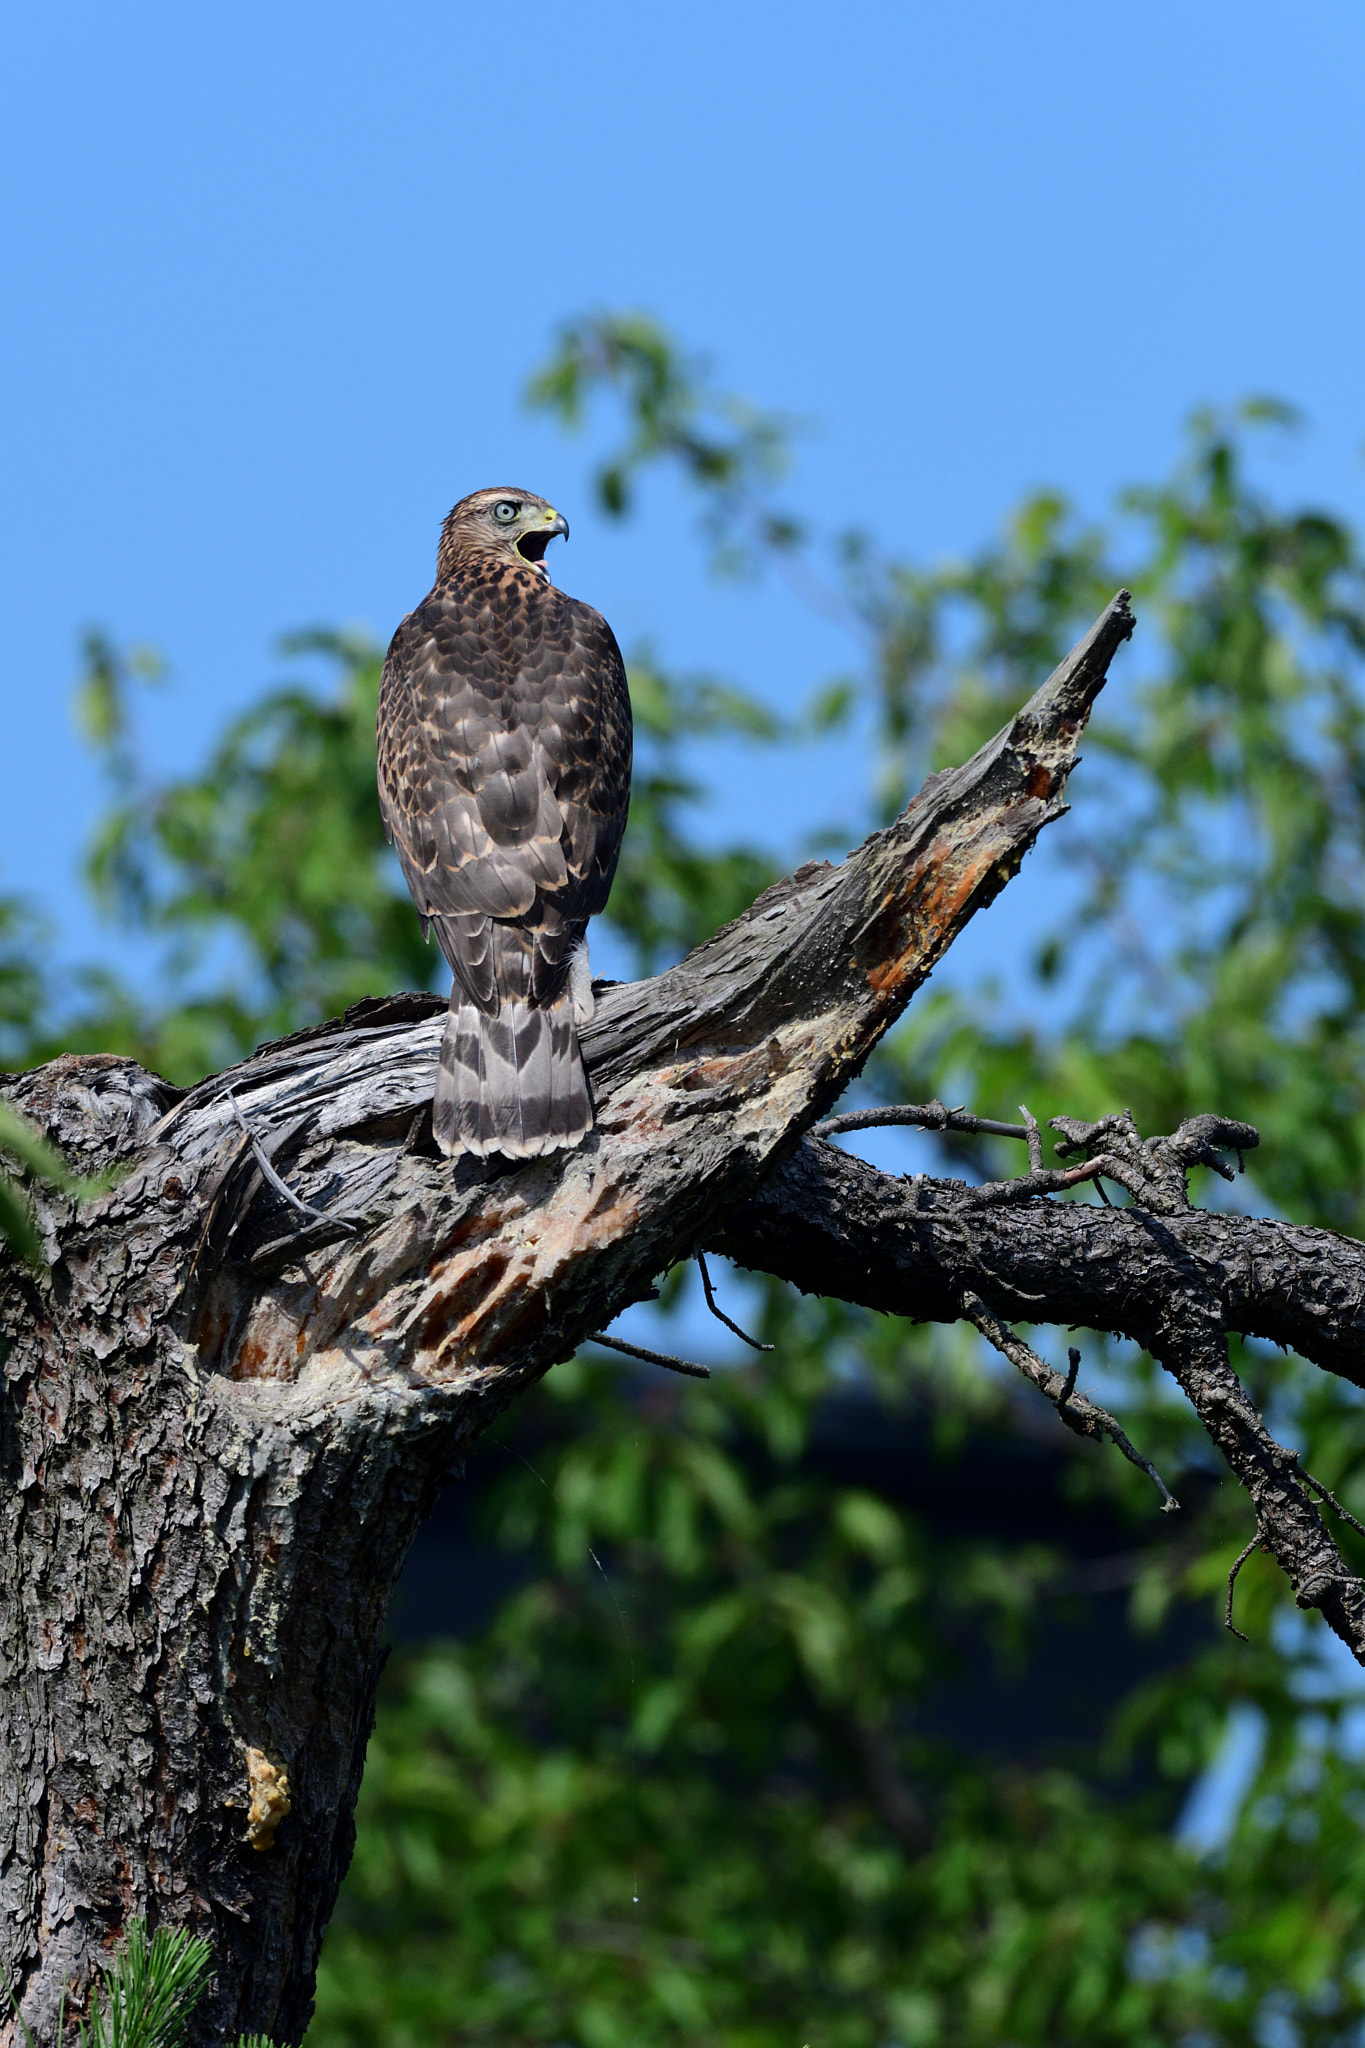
(531,547)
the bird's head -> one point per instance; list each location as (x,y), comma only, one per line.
(501,522)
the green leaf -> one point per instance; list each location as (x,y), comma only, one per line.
(16,1223)
(24,1144)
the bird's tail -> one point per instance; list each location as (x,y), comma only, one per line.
(512,1082)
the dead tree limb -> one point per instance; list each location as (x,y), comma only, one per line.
(1177,1280)
(234,1393)
(1076,1411)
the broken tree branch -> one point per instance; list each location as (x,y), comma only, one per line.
(236,1423)
(926,1116)
(1177,1280)
(1078,1412)
(665,1358)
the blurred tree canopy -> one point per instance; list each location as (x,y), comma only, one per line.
(680,1790)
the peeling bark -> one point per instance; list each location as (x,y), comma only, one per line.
(221,1420)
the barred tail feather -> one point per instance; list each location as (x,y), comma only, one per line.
(512,1083)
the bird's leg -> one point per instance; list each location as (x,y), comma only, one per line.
(580,984)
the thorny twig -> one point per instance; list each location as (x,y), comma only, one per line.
(719,1313)
(1228,1623)
(682,1365)
(1077,1411)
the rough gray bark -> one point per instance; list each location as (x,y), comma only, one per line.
(222,1422)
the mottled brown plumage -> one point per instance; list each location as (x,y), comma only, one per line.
(504,779)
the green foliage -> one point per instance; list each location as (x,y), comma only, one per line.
(266,874)
(670,893)
(724,446)
(22,996)
(1210,947)
(696,1727)
(22,1147)
(671,1797)
(680,1791)
(19,1142)
(1213,945)
(23,993)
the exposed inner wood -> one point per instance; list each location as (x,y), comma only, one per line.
(223,1417)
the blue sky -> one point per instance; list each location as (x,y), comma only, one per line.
(276,276)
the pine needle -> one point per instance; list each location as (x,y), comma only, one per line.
(152,1989)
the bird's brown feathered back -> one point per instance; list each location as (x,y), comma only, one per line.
(504,780)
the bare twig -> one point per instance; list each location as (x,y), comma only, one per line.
(929,1116)
(719,1313)
(1228,1623)
(1077,1411)
(1039,1180)
(1324,1493)
(1048,1181)
(258,1153)
(682,1365)
(1073,1359)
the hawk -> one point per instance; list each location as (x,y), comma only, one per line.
(504,781)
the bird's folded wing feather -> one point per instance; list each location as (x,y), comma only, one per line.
(505,771)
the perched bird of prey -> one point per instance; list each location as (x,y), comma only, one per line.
(504,780)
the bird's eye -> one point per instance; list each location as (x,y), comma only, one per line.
(505,511)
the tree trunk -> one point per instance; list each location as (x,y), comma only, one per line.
(222,1421)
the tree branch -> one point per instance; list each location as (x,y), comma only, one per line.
(1175,1279)
(236,1421)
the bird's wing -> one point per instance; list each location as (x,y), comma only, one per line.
(589,724)
(504,776)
